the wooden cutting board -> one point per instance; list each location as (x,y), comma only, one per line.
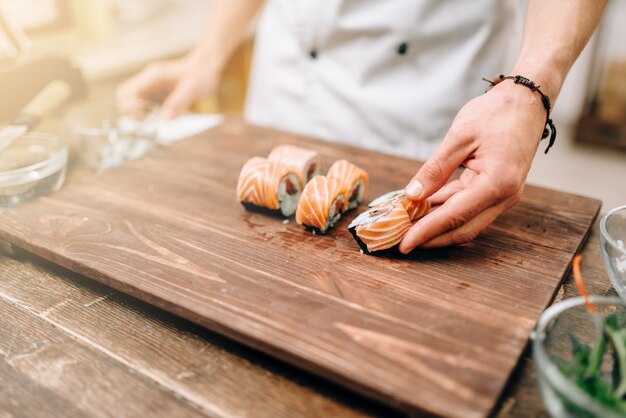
(438,331)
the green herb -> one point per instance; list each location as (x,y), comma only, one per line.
(617,335)
(585,368)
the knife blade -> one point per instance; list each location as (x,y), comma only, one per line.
(47,100)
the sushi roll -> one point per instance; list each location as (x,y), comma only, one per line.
(321,204)
(303,161)
(353,179)
(387,198)
(380,227)
(266,184)
(416,210)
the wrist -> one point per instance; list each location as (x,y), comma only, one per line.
(526,104)
(519,80)
(520,97)
(548,79)
(210,64)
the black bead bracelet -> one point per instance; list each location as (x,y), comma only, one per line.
(550,129)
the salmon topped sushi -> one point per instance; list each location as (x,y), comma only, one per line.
(321,204)
(380,227)
(387,198)
(304,162)
(353,179)
(416,210)
(266,184)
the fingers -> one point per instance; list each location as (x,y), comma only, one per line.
(458,210)
(178,82)
(437,170)
(179,100)
(469,231)
(150,84)
(455,186)
(467,175)
(442,195)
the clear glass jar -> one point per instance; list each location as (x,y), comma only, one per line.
(612,242)
(106,138)
(552,342)
(33,165)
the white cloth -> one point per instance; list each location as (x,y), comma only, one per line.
(359,89)
(166,132)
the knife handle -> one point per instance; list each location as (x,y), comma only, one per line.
(47,100)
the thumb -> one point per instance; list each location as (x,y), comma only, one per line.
(179,100)
(436,171)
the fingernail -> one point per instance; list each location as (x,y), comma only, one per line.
(404,250)
(414,189)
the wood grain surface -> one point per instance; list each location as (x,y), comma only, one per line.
(436,332)
(215,375)
(212,374)
(40,359)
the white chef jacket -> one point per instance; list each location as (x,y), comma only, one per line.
(388,75)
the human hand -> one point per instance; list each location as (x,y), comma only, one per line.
(176,83)
(495,136)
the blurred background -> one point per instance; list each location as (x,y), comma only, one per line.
(96,44)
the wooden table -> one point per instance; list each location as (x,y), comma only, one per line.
(72,347)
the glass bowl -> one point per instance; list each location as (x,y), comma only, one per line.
(33,165)
(612,240)
(106,138)
(553,341)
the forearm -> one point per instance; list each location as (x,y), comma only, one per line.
(225,29)
(555,33)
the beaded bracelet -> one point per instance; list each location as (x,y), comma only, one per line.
(550,129)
